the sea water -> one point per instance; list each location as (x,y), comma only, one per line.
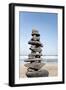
(45,59)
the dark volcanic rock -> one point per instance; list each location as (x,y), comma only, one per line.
(42,73)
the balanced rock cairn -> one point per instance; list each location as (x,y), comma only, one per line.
(34,59)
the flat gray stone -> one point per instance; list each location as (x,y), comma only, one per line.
(30,70)
(42,73)
(35,54)
(34,65)
(37,43)
(35,32)
(33,60)
(35,38)
(38,49)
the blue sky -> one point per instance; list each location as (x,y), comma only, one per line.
(46,24)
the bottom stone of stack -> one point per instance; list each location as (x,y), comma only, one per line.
(41,73)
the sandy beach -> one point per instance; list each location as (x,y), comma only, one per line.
(52,69)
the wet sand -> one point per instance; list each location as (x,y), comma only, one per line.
(51,68)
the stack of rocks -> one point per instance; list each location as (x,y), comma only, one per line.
(34,59)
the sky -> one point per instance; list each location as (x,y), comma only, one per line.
(46,24)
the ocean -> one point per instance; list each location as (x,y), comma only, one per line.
(46,59)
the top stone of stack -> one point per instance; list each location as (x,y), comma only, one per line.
(35,38)
(35,32)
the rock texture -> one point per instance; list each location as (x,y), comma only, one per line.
(42,73)
(34,58)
